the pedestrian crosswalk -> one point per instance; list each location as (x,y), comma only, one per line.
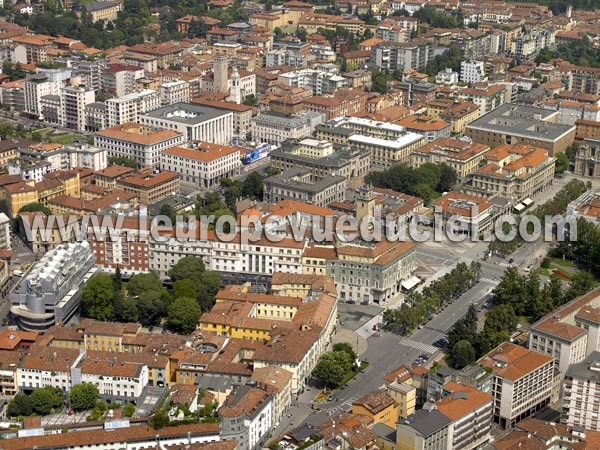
(419,346)
(22,254)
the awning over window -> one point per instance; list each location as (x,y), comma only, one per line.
(410,283)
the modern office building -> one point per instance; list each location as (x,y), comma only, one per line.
(518,124)
(523,382)
(581,396)
(195,122)
(50,291)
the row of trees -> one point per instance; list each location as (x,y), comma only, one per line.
(585,250)
(529,297)
(41,401)
(557,205)
(146,300)
(581,53)
(516,295)
(421,306)
(423,181)
(47,400)
(467,345)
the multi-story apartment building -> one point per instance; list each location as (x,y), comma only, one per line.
(408,386)
(471,413)
(120,79)
(581,396)
(246,417)
(195,122)
(585,80)
(523,382)
(402,55)
(389,30)
(130,251)
(127,108)
(117,378)
(379,406)
(96,116)
(73,102)
(31,48)
(341,103)
(518,124)
(143,143)
(177,91)
(320,82)
(472,72)
(150,188)
(527,45)
(285,58)
(203,166)
(255,260)
(34,88)
(371,272)
(275,128)
(428,127)
(487,99)
(463,156)
(84,155)
(387,143)
(321,158)
(515,172)
(276,382)
(424,430)
(570,333)
(50,291)
(46,366)
(301,185)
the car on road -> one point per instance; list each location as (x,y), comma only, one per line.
(351,302)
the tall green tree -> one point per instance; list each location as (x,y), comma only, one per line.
(46,400)
(185,288)
(184,314)
(98,297)
(83,396)
(20,405)
(463,354)
(333,367)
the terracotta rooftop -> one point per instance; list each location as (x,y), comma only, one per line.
(461,400)
(375,402)
(513,362)
(139,134)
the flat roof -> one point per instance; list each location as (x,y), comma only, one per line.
(523,121)
(400,142)
(187,113)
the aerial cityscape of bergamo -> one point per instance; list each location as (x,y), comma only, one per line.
(299,224)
